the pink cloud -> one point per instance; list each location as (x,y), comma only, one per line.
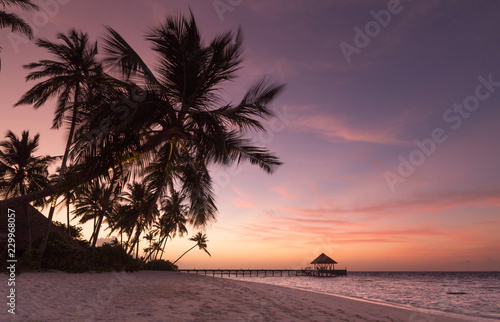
(425,203)
(337,128)
(243,204)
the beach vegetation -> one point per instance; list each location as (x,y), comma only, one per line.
(160,265)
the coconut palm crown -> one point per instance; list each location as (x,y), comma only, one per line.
(180,124)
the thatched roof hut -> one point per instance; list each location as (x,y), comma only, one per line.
(323,262)
(38,226)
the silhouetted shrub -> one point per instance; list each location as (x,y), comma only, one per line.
(60,254)
(160,265)
(112,257)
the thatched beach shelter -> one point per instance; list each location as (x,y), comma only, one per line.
(38,225)
(323,262)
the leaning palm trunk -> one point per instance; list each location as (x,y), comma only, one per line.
(97,228)
(61,175)
(67,218)
(86,176)
(187,251)
(161,248)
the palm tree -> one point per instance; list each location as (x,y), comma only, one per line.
(173,221)
(150,237)
(181,125)
(21,171)
(201,242)
(96,201)
(140,212)
(65,77)
(12,20)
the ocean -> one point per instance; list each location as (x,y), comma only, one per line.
(475,294)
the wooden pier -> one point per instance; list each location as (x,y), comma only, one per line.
(267,272)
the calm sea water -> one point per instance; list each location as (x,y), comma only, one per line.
(467,293)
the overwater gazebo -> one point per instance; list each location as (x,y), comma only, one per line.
(325,266)
(324,262)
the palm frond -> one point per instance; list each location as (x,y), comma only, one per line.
(15,23)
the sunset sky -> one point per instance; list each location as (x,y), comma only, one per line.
(388,127)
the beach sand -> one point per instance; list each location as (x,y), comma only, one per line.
(170,296)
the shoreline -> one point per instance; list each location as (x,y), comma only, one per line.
(384,302)
(162,296)
(395,305)
(433,312)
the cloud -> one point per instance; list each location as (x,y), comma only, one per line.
(425,203)
(399,222)
(338,129)
(243,204)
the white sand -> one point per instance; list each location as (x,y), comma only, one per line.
(169,296)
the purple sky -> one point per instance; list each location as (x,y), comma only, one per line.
(355,184)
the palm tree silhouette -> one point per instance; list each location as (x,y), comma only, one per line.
(97,201)
(65,77)
(140,212)
(12,20)
(172,222)
(20,171)
(182,123)
(201,242)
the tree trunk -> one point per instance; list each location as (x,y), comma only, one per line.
(93,229)
(162,248)
(185,253)
(98,228)
(137,251)
(67,215)
(157,251)
(61,174)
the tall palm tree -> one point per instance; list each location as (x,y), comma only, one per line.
(66,77)
(182,124)
(12,20)
(201,241)
(21,171)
